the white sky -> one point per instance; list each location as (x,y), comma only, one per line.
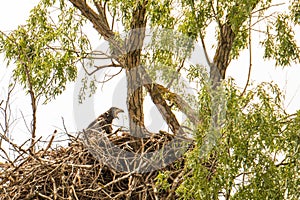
(15,12)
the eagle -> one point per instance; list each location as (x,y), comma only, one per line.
(104,121)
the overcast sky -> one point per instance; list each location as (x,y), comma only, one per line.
(15,12)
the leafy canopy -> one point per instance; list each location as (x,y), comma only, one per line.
(256,155)
(45,51)
(52,40)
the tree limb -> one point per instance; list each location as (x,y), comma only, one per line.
(100,23)
(179,102)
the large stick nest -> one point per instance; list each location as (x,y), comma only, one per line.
(85,170)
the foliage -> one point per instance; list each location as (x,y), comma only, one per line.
(282,47)
(238,13)
(257,156)
(162,180)
(295,11)
(48,51)
(50,43)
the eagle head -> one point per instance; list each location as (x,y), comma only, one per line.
(113,111)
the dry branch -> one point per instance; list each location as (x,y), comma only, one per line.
(73,172)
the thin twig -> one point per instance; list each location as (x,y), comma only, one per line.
(50,142)
(250,58)
(267,7)
(110,76)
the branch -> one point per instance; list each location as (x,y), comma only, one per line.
(250,58)
(215,15)
(161,104)
(33,106)
(25,123)
(49,143)
(99,22)
(7,157)
(267,7)
(175,74)
(6,113)
(205,51)
(7,110)
(17,148)
(179,102)
(110,77)
(66,131)
(263,18)
(99,68)
(200,33)
(101,11)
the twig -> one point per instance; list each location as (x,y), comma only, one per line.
(54,188)
(215,16)
(66,131)
(210,64)
(250,58)
(99,68)
(44,196)
(267,7)
(263,18)
(176,74)
(50,143)
(110,77)
(25,123)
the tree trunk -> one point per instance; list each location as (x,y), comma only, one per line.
(128,55)
(222,55)
(33,107)
(133,46)
(135,102)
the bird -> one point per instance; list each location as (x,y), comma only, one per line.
(104,121)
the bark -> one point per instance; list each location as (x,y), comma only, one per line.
(163,108)
(133,45)
(179,102)
(161,104)
(225,41)
(222,55)
(135,103)
(33,107)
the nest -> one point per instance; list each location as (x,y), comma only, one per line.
(96,166)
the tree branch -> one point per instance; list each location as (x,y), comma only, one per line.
(267,7)
(33,106)
(250,58)
(161,104)
(100,23)
(179,102)
(97,68)
(110,77)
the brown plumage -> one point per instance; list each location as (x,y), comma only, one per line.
(104,121)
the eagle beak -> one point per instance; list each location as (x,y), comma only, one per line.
(117,112)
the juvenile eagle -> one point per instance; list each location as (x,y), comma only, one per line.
(104,121)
